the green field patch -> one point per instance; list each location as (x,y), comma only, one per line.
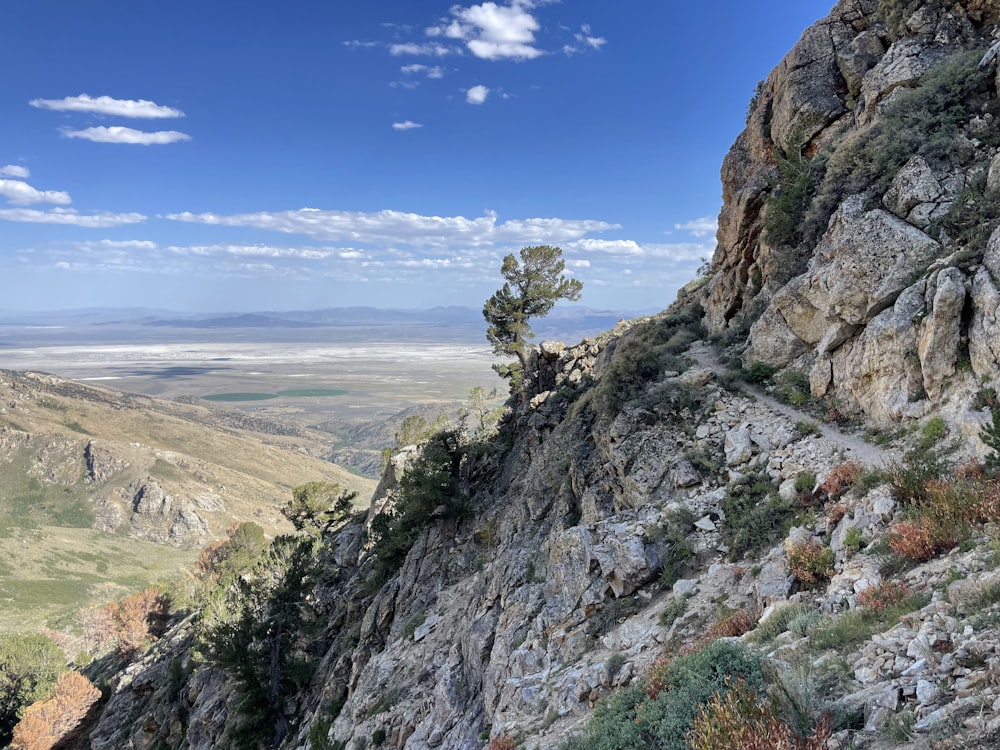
(240,396)
(43,593)
(292,393)
(52,572)
(313,392)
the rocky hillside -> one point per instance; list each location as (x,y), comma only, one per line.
(645,513)
(93,481)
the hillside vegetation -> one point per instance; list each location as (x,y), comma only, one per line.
(104,493)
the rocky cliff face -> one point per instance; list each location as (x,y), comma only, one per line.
(855,241)
(603,527)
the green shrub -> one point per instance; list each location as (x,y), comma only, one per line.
(778,622)
(926,120)
(613,610)
(759,372)
(412,624)
(678,550)
(990,434)
(644,353)
(896,13)
(29,666)
(804,428)
(614,664)
(805,483)
(791,194)
(659,716)
(933,430)
(249,627)
(792,387)
(756,517)
(850,628)
(810,562)
(673,609)
(428,492)
(708,462)
(919,466)
(971,219)
(853,539)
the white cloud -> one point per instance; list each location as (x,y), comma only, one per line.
(105,105)
(411,48)
(477,94)
(578,263)
(254,251)
(431,71)
(22,194)
(118,134)
(13,170)
(406,125)
(493,32)
(359,43)
(700,227)
(594,42)
(677,251)
(117,245)
(69,216)
(392,228)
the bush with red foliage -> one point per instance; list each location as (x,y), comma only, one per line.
(46,723)
(840,479)
(919,540)
(883,596)
(740,720)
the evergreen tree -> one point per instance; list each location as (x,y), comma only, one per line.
(532,287)
(317,507)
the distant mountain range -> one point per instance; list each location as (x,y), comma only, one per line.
(562,323)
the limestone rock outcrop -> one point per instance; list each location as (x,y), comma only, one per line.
(832,301)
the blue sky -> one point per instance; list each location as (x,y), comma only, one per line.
(218,156)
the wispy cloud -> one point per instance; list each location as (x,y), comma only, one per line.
(432,49)
(254,251)
(585,37)
(406,125)
(431,71)
(493,32)
(117,244)
(118,134)
(392,228)
(106,105)
(477,94)
(14,170)
(22,194)
(69,216)
(700,227)
(676,251)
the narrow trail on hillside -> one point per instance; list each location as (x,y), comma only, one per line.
(859,450)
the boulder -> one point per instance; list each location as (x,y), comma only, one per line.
(984,331)
(941,331)
(903,64)
(863,264)
(738,446)
(806,96)
(915,184)
(860,267)
(880,371)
